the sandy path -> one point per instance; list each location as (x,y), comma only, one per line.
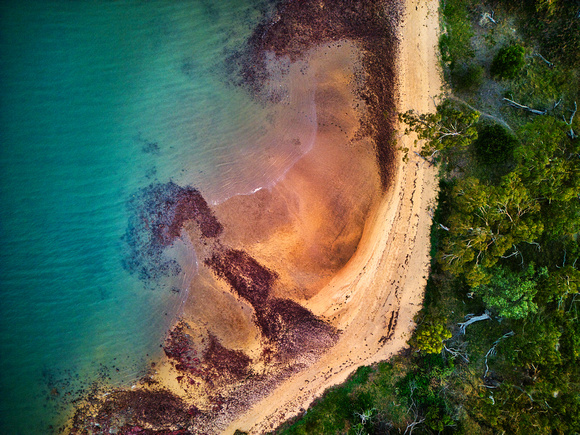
(375,296)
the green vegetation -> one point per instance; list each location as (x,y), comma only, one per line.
(430,335)
(511,294)
(454,44)
(467,76)
(497,343)
(449,128)
(553,25)
(494,144)
(381,399)
(508,61)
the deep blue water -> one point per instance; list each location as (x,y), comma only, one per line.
(99,99)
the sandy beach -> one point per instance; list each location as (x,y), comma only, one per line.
(301,283)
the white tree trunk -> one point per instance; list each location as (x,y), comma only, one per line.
(571,133)
(521,106)
(472,319)
(550,64)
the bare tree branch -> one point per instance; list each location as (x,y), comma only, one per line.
(573,301)
(487,17)
(563,261)
(571,133)
(536,244)
(550,64)
(471,318)
(430,158)
(492,351)
(411,426)
(484,114)
(457,352)
(365,415)
(516,252)
(525,392)
(527,108)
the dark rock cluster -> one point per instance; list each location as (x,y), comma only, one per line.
(136,430)
(131,412)
(246,276)
(222,362)
(299,25)
(283,322)
(179,348)
(158,213)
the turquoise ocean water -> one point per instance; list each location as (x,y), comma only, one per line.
(99,99)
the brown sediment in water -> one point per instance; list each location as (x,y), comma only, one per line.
(316,275)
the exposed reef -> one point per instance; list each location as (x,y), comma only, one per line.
(129,412)
(158,213)
(288,329)
(285,324)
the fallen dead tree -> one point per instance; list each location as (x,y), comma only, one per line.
(571,133)
(472,318)
(492,351)
(526,108)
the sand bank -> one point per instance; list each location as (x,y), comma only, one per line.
(303,282)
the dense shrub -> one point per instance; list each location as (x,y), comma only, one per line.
(494,144)
(508,62)
(552,24)
(429,336)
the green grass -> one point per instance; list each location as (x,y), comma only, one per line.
(334,412)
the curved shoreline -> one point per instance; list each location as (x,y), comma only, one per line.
(370,296)
(380,290)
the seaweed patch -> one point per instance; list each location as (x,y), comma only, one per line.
(133,412)
(299,25)
(287,325)
(179,348)
(246,276)
(221,361)
(158,213)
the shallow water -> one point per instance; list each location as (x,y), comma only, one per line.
(99,99)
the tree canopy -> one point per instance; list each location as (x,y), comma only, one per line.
(494,144)
(485,222)
(508,61)
(448,128)
(510,293)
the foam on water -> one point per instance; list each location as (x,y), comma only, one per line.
(98,100)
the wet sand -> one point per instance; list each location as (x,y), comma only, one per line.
(303,282)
